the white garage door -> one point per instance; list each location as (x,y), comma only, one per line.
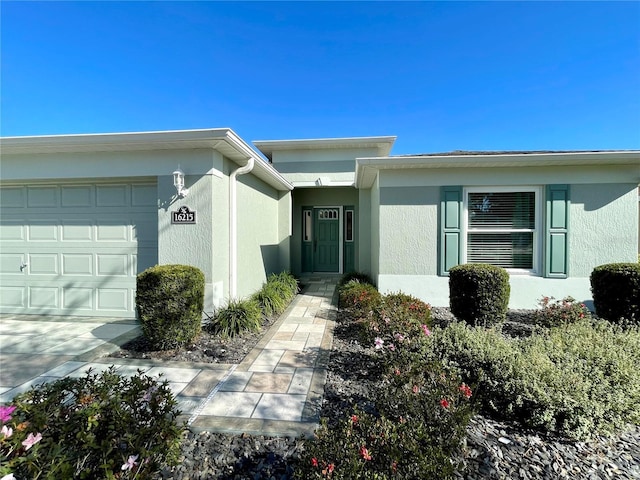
(75,249)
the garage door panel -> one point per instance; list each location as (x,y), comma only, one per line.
(84,245)
(13,197)
(77,264)
(114,299)
(42,231)
(144,195)
(113,231)
(13,297)
(43,264)
(77,298)
(44,297)
(43,197)
(10,263)
(12,231)
(77,196)
(77,230)
(113,265)
(112,195)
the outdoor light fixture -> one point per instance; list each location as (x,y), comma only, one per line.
(178,182)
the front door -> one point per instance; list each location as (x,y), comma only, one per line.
(326,240)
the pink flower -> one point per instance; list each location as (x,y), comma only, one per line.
(379,343)
(399,337)
(5,413)
(444,403)
(131,463)
(466,391)
(426,330)
(391,347)
(416,389)
(6,431)
(354,419)
(364,453)
(31,440)
(314,462)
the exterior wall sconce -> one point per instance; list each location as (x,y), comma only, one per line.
(178,182)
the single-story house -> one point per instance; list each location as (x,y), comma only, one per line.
(81,215)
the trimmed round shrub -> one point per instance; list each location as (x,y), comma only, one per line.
(479,293)
(616,291)
(170,300)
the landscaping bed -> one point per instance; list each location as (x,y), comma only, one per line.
(491,450)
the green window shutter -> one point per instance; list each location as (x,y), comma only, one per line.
(450,228)
(557,231)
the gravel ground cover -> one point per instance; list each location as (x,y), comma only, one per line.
(492,450)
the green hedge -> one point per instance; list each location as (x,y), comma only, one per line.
(616,291)
(170,300)
(479,293)
(577,380)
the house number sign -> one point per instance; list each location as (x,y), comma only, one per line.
(183,216)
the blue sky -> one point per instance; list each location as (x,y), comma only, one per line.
(441,76)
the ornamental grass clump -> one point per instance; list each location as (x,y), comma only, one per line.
(170,300)
(277,293)
(97,426)
(271,299)
(236,317)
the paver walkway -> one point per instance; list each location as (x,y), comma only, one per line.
(276,390)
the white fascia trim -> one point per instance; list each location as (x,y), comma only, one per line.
(382,143)
(368,168)
(314,184)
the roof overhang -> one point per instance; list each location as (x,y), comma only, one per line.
(367,168)
(223,140)
(382,145)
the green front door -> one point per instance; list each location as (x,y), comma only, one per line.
(326,249)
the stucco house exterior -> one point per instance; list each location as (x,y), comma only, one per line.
(81,215)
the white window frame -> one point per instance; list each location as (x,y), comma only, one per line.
(537,231)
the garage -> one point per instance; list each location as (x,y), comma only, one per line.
(75,248)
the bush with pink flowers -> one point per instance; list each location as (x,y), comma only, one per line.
(100,426)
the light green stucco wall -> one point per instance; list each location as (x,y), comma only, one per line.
(259,233)
(363,257)
(336,164)
(375,229)
(603,227)
(409,230)
(313,197)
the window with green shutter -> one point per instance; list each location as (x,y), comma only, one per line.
(504,226)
